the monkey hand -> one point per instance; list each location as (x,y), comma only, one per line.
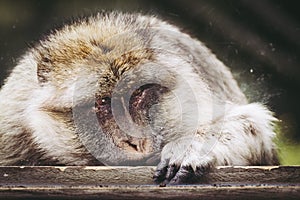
(241,137)
(184,160)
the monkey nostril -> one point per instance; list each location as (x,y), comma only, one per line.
(133,146)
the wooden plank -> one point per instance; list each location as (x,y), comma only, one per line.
(154,192)
(77,176)
(136,183)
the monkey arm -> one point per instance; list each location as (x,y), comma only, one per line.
(243,136)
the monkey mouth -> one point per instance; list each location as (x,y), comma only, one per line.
(134,117)
(134,145)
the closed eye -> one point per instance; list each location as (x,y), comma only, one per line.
(103,101)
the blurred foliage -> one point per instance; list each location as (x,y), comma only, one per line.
(288,150)
(289,153)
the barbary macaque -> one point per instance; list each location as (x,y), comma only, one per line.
(130,89)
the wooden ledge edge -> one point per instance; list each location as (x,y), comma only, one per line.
(139,175)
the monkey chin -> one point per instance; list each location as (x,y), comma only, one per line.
(130,89)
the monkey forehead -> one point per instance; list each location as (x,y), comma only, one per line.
(115,42)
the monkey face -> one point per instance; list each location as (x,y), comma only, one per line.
(125,112)
(126,118)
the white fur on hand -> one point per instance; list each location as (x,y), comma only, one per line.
(182,158)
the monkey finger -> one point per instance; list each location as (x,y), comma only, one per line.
(161,171)
(182,175)
(201,171)
(186,174)
(171,172)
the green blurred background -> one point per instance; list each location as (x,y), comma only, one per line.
(259,40)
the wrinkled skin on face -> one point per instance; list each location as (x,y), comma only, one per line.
(137,112)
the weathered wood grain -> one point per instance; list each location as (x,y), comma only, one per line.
(136,183)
